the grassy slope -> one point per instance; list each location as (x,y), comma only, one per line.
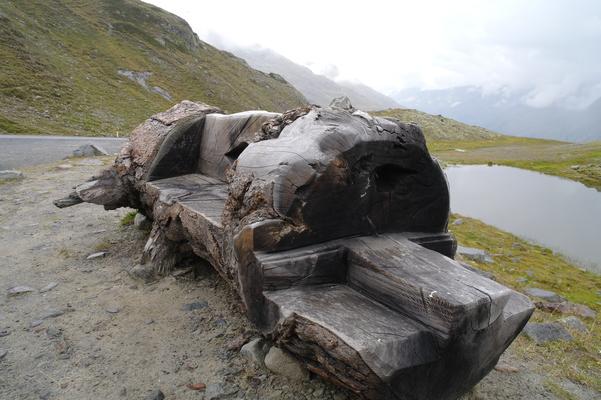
(481,146)
(59,62)
(515,259)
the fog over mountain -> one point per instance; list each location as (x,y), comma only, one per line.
(542,59)
(508,112)
(317,89)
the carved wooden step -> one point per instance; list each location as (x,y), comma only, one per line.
(386,341)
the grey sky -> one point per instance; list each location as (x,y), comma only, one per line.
(550,49)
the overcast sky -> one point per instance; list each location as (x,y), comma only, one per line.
(550,49)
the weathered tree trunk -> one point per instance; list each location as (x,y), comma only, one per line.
(332,226)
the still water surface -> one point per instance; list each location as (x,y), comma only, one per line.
(558,213)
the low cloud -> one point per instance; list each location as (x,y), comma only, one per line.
(550,50)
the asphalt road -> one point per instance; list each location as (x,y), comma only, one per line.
(18,151)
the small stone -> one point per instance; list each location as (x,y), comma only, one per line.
(343,103)
(521,280)
(237,343)
(89,150)
(10,175)
(142,222)
(96,255)
(545,295)
(63,167)
(567,307)
(255,350)
(113,310)
(501,367)
(546,332)
(474,254)
(458,221)
(197,386)
(149,321)
(197,305)
(4,332)
(52,313)
(574,323)
(216,391)
(35,323)
(156,395)
(144,272)
(3,353)
(18,290)
(48,287)
(282,363)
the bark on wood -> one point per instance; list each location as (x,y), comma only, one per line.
(332,226)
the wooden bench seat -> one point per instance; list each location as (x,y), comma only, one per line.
(196,193)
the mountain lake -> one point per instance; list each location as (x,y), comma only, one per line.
(558,213)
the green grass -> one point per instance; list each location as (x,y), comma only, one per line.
(59,62)
(128,219)
(579,162)
(515,260)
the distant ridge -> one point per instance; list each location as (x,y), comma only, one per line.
(507,112)
(317,89)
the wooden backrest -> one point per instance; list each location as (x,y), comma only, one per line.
(224,138)
(334,174)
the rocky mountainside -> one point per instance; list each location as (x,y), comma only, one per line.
(318,89)
(100,67)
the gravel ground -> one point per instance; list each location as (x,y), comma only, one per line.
(100,334)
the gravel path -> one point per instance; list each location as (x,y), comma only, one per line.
(100,334)
(17,151)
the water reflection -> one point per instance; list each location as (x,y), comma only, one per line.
(557,213)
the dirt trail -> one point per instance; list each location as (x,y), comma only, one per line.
(108,336)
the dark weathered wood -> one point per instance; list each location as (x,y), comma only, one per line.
(332,226)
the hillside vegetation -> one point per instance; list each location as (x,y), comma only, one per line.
(90,67)
(439,128)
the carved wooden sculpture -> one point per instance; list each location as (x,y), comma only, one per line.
(332,226)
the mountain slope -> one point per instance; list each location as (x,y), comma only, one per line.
(508,113)
(101,67)
(438,128)
(318,89)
